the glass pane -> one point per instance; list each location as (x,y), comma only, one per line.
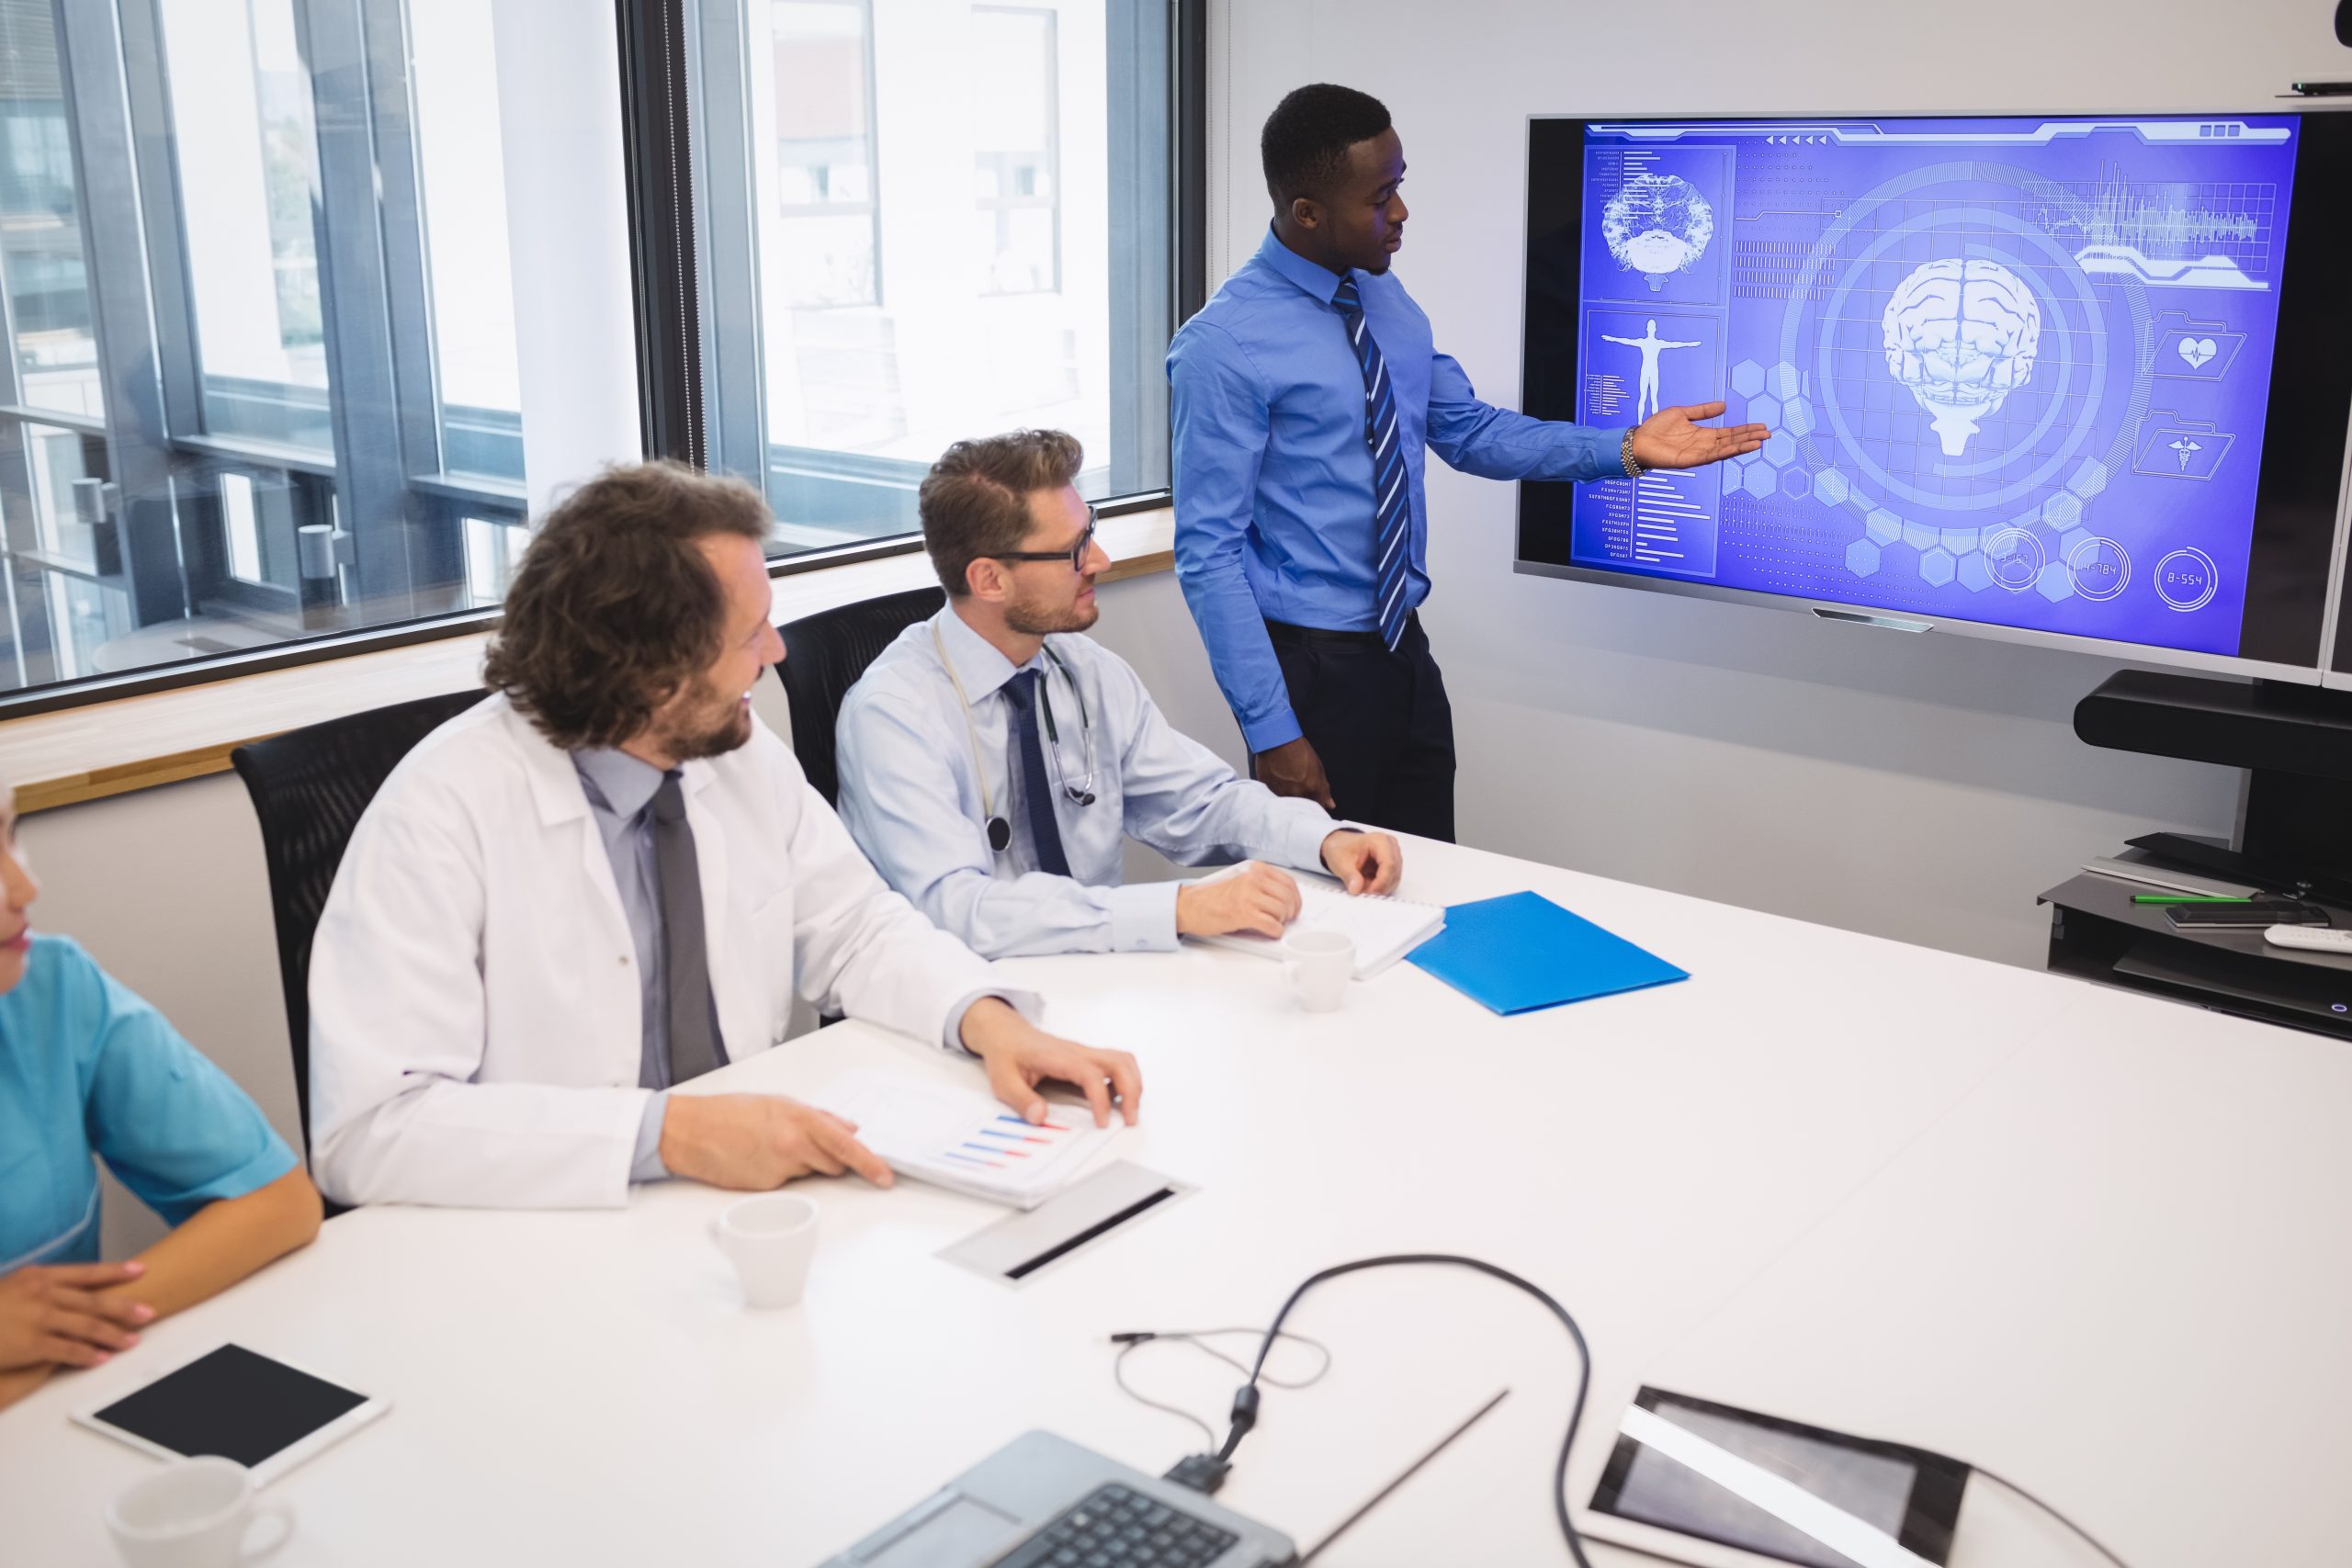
(54,353)
(888,327)
(243,130)
(479,374)
(296,250)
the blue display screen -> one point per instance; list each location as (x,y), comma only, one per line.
(2015,370)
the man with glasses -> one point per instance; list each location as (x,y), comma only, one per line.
(992,760)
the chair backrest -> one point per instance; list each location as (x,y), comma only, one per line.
(309,788)
(823,656)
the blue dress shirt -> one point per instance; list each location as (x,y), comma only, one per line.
(1274,478)
(913,786)
(87,1067)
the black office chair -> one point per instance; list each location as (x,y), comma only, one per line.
(309,788)
(823,656)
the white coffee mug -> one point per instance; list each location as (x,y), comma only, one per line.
(196,1513)
(770,1239)
(1320,964)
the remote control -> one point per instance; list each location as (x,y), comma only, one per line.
(2318,939)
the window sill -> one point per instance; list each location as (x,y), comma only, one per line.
(131,743)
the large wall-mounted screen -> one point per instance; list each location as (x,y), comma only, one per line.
(2078,378)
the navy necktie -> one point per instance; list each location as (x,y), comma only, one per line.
(1391,508)
(686,959)
(1036,795)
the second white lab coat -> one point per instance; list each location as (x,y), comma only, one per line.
(475,1025)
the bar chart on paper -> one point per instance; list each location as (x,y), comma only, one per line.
(964,1140)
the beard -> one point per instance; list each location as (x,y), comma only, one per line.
(706,726)
(1031,621)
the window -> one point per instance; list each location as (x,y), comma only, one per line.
(922,221)
(263,383)
(270,388)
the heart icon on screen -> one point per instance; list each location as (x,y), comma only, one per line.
(2198,350)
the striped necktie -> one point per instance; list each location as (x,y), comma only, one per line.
(1392,509)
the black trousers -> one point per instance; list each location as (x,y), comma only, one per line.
(1379,720)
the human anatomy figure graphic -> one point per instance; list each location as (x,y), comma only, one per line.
(1651,345)
(1961,333)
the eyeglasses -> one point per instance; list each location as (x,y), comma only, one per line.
(1075,555)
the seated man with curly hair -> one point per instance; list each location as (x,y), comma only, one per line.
(610,877)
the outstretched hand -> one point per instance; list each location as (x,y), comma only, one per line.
(1671,438)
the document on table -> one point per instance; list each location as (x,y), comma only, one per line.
(963,1139)
(1383,929)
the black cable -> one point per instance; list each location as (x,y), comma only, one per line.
(2096,1544)
(1244,1401)
(1197,1338)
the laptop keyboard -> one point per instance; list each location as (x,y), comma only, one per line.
(1117,1527)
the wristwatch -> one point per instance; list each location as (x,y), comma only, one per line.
(1635,468)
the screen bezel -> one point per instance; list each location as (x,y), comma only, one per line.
(1930,1514)
(2302,483)
(310,1444)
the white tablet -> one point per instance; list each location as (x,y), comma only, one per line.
(266,1416)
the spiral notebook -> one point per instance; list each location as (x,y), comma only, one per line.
(1383,929)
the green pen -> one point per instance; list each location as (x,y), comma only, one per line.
(2188,898)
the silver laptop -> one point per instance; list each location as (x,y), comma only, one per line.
(1043,1502)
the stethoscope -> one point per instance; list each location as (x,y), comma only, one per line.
(999,832)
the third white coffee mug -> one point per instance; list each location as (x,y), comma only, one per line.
(1320,964)
(196,1513)
(770,1239)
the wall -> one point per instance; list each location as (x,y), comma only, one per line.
(1922,787)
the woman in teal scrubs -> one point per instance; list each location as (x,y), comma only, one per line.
(88,1069)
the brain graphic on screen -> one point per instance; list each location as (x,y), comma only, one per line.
(1961,333)
(1658,225)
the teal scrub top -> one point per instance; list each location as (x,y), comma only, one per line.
(87,1068)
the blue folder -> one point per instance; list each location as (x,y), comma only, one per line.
(1522,952)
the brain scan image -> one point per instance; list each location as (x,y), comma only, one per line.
(1962,334)
(1658,225)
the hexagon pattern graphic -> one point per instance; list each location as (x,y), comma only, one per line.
(1783,382)
(2063,510)
(1831,489)
(1796,416)
(2055,582)
(1747,377)
(1765,412)
(1861,557)
(1974,574)
(1936,566)
(1883,526)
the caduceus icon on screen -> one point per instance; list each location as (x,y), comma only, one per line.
(1962,334)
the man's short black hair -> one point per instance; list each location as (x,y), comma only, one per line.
(1305,144)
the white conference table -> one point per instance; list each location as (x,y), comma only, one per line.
(2092,1240)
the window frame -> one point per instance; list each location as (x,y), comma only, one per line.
(373,268)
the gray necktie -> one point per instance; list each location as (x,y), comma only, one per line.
(685,961)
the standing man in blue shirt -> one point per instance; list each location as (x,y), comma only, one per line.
(1307,393)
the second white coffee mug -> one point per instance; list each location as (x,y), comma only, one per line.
(1320,964)
(770,1239)
(196,1513)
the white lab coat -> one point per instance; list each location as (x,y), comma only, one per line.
(475,1024)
